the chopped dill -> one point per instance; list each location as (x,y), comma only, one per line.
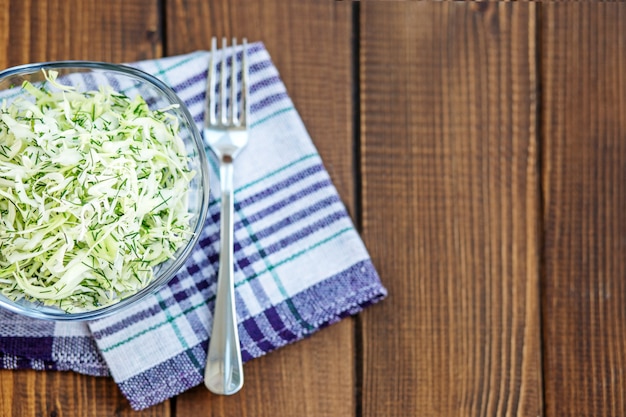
(79,224)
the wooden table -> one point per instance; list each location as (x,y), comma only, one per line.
(481,151)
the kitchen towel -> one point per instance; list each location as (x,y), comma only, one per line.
(300,265)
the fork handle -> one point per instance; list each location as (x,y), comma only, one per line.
(224,369)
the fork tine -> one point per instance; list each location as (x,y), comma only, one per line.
(223,102)
(222,108)
(210,88)
(234,118)
(244,83)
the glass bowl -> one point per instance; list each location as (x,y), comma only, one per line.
(89,76)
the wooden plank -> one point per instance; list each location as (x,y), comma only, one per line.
(451,209)
(115,31)
(584,166)
(310,43)
(39,30)
(31,393)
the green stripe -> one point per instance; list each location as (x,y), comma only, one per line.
(161,71)
(172,321)
(276,171)
(177,64)
(294,256)
(203,303)
(269,267)
(270,116)
(156,326)
(263,178)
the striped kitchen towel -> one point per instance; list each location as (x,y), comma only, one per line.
(299,263)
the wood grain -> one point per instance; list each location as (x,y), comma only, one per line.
(39,30)
(115,31)
(32,394)
(450,209)
(488,184)
(310,44)
(584,149)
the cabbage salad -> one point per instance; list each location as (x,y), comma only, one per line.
(93,195)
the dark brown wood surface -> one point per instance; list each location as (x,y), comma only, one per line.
(450,185)
(481,151)
(584,214)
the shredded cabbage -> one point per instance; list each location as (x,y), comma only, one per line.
(93,195)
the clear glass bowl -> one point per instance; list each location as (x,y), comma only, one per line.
(87,76)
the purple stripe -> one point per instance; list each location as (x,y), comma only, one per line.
(13,324)
(278,324)
(291,219)
(245,355)
(201,76)
(190,81)
(155,309)
(258,86)
(8,361)
(291,199)
(255,47)
(264,83)
(175,375)
(213,256)
(252,50)
(243,261)
(343,294)
(214,209)
(151,311)
(258,66)
(84,368)
(268,101)
(113,81)
(348,291)
(254,107)
(196,322)
(279,186)
(28,347)
(299,235)
(201,96)
(252,329)
(89,80)
(179,294)
(77,349)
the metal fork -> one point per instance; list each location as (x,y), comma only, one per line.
(226,132)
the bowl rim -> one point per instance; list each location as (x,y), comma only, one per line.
(179,261)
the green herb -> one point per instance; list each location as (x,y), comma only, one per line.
(93,195)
